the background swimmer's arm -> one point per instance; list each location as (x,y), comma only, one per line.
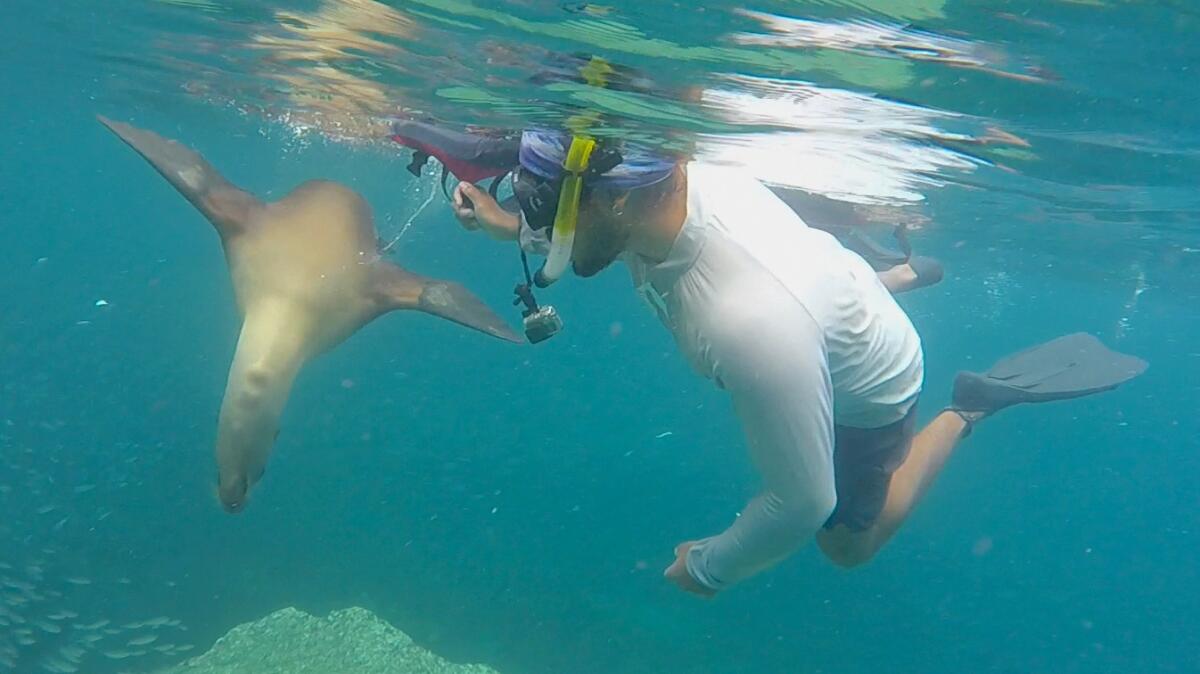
(898,279)
(776,369)
(917,272)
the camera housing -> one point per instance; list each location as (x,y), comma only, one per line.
(542,324)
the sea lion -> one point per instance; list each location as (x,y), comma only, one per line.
(307,275)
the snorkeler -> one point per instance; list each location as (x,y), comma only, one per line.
(823,367)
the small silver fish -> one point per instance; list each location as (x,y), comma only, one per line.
(78,580)
(142,640)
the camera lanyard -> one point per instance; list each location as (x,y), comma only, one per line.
(524,291)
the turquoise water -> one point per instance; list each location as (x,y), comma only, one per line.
(515,505)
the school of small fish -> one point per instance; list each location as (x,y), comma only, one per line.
(45,624)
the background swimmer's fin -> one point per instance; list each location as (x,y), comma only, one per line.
(879,256)
(842,220)
(469,156)
(226,206)
(1071,366)
(399,289)
(818,210)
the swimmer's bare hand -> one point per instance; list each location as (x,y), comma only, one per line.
(476,209)
(464,209)
(677,573)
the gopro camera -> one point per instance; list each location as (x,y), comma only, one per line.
(542,324)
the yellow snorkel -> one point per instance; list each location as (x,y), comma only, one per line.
(579,155)
(567,216)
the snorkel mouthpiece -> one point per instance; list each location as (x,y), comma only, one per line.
(567,216)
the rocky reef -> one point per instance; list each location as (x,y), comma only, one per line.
(289,641)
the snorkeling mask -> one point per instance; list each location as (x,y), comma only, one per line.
(557,173)
(553,179)
(555,204)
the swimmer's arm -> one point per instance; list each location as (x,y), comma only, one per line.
(898,279)
(784,398)
(476,209)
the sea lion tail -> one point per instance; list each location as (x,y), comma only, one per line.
(225,205)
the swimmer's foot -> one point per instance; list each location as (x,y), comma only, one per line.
(1071,366)
(969,419)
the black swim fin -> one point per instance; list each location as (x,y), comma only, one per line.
(1071,366)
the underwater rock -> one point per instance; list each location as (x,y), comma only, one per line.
(289,641)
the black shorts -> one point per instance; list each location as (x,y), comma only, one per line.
(863,462)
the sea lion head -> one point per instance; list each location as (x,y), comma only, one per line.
(233,487)
(233,492)
(238,472)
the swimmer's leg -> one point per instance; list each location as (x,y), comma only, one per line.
(928,454)
(1068,367)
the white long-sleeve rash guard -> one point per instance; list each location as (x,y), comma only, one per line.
(803,336)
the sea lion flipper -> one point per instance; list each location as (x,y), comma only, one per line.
(400,289)
(228,207)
